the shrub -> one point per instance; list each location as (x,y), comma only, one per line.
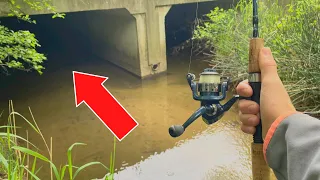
(18,49)
(291,31)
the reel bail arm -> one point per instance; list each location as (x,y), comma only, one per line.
(209,90)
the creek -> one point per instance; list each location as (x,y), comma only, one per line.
(219,151)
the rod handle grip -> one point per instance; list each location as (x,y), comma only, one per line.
(256,44)
(260,169)
(256,87)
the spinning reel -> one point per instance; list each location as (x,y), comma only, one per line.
(209,90)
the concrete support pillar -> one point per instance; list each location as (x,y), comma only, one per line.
(162,12)
(152,39)
(152,32)
(156,36)
(145,69)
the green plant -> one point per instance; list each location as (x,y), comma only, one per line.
(14,158)
(18,48)
(110,175)
(291,31)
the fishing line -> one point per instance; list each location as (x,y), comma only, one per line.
(195,23)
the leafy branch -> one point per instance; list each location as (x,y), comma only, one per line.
(18,49)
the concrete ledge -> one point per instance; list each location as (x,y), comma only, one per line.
(173,2)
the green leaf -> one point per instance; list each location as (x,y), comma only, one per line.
(34,166)
(30,152)
(25,119)
(63,170)
(87,165)
(39,156)
(4,162)
(8,135)
(69,154)
(31,173)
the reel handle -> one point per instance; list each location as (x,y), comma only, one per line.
(178,130)
(217,109)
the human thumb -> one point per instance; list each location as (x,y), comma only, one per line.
(274,99)
(268,65)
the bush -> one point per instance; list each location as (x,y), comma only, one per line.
(291,31)
(18,50)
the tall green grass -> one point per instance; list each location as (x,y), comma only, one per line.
(110,175)
(291,31)
(15,163)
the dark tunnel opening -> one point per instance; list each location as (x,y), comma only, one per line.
(181,18)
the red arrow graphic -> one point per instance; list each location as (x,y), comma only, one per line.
(89,89)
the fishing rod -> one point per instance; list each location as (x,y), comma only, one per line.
(260,169)
(211,88)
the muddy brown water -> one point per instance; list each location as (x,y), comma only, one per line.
(205,152)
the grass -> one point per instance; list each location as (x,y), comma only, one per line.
(15,163)
(110,175)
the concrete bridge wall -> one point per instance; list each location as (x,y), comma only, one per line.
(114,37)
(128,33)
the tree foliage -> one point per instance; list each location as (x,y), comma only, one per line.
(18,49)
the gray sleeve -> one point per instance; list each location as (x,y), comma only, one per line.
(294,149)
